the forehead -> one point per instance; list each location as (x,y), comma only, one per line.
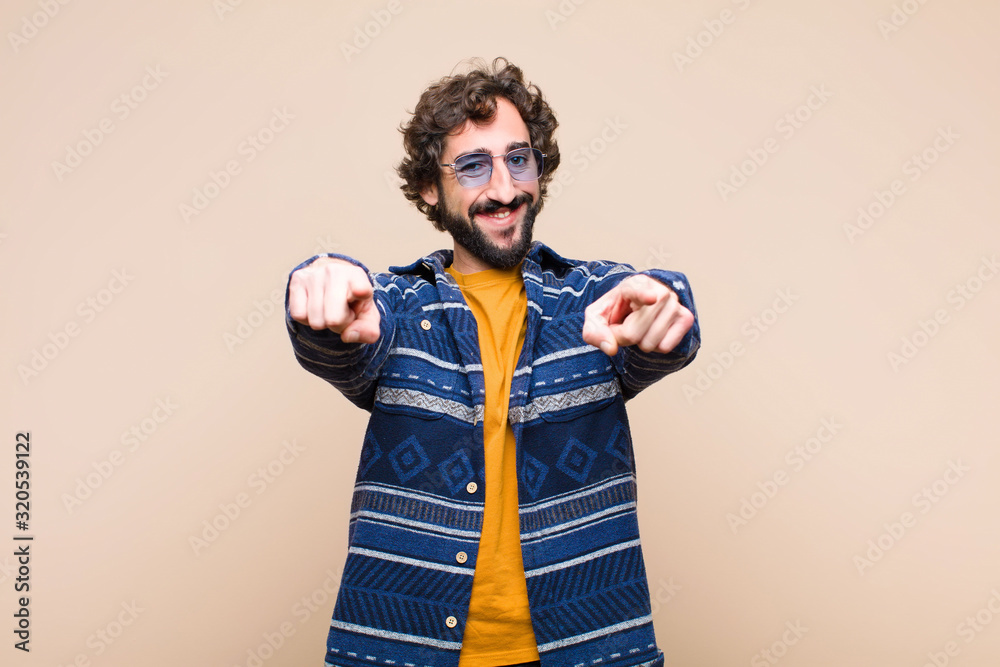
(506,128)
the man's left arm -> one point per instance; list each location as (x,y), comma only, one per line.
(647,324)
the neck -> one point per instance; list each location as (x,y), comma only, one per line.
(466,262)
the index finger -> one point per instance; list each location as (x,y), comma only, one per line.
(641,290)
(359,286)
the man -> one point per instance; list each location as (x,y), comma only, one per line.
(493,520)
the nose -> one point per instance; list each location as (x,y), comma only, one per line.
(501,186)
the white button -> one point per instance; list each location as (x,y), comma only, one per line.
(461,556)
(425,325)
(471,487)
(451,621)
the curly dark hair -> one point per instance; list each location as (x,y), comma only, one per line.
(445,107)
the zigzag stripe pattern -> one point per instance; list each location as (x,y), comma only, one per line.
(423,401)
(558,624)
(602,573)
(389,613)
(556,402)
(409,580)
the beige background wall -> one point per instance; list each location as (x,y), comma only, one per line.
(141,315)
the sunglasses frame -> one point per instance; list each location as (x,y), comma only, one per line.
(539,155)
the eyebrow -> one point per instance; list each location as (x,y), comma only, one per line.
(512,146)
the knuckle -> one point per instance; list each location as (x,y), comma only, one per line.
(627,337)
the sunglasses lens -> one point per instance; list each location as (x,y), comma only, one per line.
(473,169)
(525,164)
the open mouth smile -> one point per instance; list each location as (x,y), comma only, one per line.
(501,217)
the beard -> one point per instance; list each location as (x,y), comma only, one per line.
(470,236)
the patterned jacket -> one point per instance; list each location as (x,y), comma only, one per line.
(418,498)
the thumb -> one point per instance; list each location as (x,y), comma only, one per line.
(365,327)
(597,332)
(598,317)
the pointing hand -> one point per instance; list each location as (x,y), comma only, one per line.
(638,311)
(334,294)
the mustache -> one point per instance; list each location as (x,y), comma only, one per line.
(492,206)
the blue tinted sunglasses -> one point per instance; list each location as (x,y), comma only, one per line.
(474,169)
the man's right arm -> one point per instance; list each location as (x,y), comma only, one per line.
(340,323)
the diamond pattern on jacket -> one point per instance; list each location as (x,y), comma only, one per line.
(618,444)
(370,453)
(532,475)
(408,458)
(456,470)
(576,459)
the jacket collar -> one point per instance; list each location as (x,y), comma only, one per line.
(539,258)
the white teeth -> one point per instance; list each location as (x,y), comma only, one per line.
(500,216)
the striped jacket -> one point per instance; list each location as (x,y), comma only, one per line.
(418,500)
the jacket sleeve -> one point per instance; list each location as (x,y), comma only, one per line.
(641,369)
(637,369)
(352,368)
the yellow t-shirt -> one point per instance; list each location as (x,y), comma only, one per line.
(498,630)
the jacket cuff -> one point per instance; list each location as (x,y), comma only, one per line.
(678,282)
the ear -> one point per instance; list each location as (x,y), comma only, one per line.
(430,195)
